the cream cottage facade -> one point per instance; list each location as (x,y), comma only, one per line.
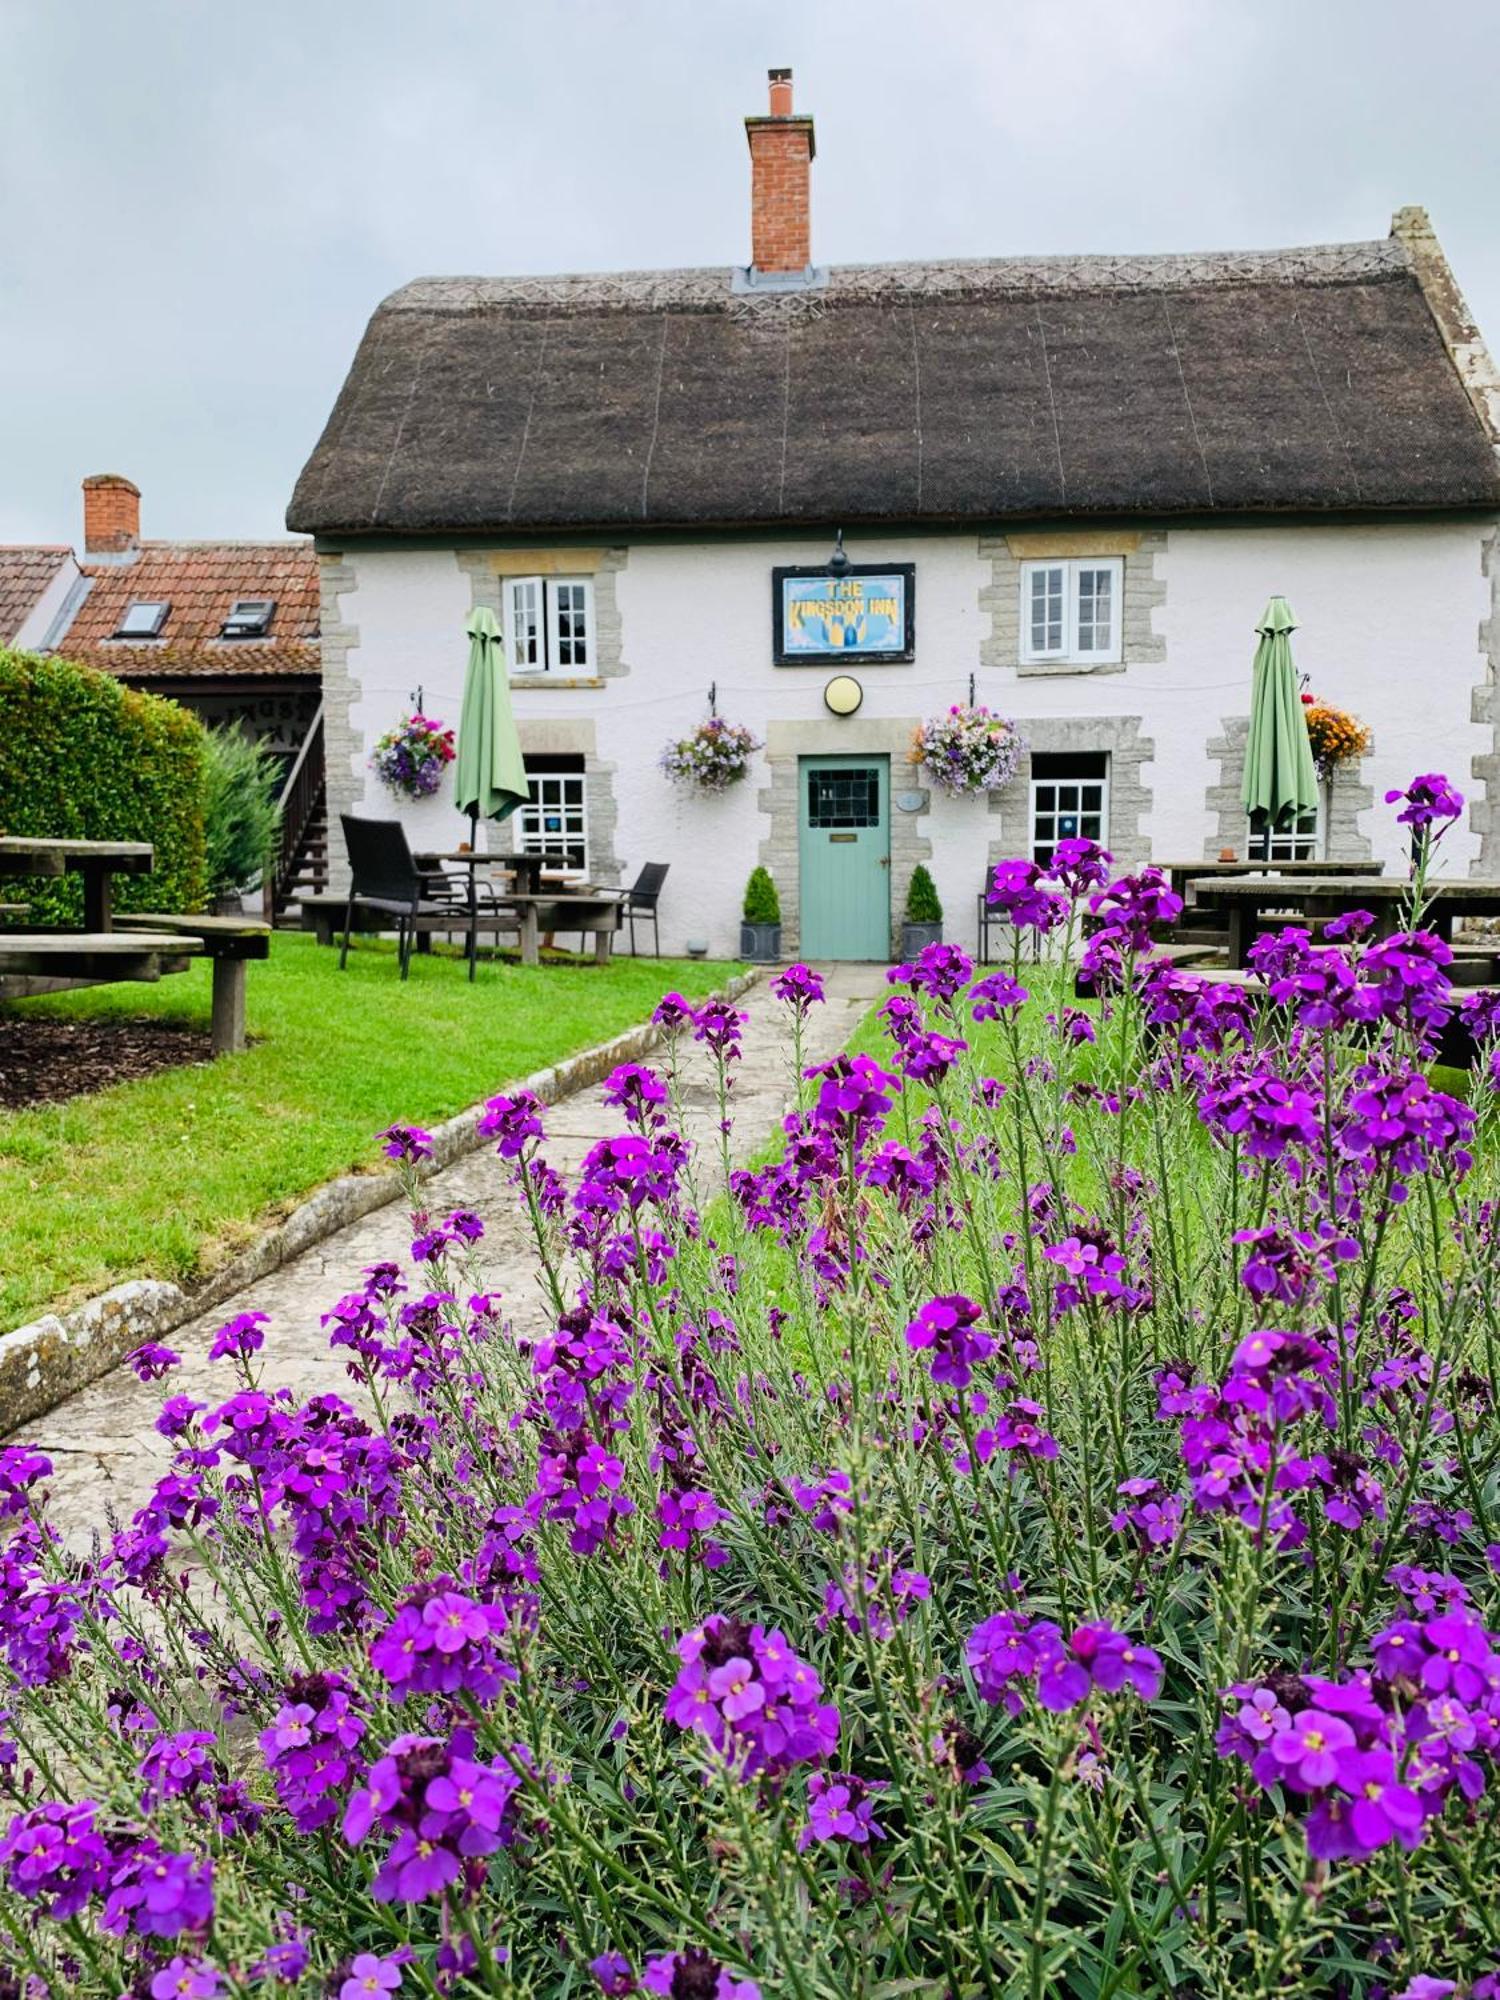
(1091,474)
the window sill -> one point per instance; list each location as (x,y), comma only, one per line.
(553,681)
(1031,669)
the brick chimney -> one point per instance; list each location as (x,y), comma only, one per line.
(111,515)
(781,156)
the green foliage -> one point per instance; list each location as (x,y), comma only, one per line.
(83,758)
(241,812)
(762,904)
(922,904)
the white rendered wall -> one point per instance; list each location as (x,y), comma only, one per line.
(1388,626)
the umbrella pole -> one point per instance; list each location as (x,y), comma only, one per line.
(473,893)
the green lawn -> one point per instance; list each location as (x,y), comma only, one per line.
(166,1176)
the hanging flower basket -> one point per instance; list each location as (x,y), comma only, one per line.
(970,749)
(716,756)
(1336,736)
(412,757)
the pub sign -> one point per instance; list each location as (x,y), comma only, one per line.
(866,612)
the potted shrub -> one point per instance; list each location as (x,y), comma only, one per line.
(922,924)
(760,931)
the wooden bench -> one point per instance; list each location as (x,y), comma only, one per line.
(37,962)
(230,942)
(325,916)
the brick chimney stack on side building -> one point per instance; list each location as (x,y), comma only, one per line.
(111,515)
(781,156)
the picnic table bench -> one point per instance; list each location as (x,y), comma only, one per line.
(1316,899)
(231,943)
(37,962)
(526,917)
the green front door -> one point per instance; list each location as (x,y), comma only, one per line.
(844,840)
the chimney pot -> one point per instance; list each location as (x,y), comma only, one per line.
(111,514)
(781,156)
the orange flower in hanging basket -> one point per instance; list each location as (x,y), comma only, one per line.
(1336,736)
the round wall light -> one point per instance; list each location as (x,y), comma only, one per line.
(843,695)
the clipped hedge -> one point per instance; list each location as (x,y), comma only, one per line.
(84,758)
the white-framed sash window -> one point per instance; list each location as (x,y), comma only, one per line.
(555,820)
(1071,611)
(549,625)
(1069,801)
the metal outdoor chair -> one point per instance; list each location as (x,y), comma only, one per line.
(384,876)
(641,900)
(989,918)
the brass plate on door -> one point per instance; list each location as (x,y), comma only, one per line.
(840,836)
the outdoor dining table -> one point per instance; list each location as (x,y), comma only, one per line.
(1318,897)
(1180,873)
(97,861)
(527,871)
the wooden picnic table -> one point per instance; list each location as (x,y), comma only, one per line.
(1180,873)
(97,861)
(596,912)
(230,943)
(525,869)
(1317,898)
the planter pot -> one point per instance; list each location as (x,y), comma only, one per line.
(760,944)
(229,906)
(915,939)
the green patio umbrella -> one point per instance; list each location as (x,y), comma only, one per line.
(1281,782)
(490,775)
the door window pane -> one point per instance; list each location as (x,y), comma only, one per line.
(842,799)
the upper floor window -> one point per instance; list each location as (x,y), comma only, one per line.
(549,625)
(142,620)
(249,618)
(1070,611)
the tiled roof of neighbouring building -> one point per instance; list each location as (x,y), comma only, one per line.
(1304,381)
(24,575)
(199,581)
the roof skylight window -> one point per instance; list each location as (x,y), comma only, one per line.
(142,620)
(249,618)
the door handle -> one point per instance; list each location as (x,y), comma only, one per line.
(885,861)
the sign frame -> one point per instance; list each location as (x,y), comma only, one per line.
(852,655)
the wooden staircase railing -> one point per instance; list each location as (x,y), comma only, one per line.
(302,798)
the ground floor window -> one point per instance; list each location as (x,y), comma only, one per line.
(556,820)
(1302,841)
(1069,800)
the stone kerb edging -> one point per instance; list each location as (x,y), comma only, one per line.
(45,1361)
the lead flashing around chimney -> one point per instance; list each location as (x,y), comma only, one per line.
(746,278)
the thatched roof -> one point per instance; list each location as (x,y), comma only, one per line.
(1311,380)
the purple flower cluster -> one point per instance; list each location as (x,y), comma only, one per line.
(1010,1648)
(1374,1759)
(442,1642)
(746,1692)
(946,1330)
(440,1809)
(311,1748)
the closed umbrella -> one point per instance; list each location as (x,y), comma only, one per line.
(490,774)
(1281,781)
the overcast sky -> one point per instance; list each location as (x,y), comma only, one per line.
(201,201)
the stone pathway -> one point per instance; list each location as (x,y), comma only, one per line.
(101,1441)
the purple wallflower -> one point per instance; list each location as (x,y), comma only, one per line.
(186,1979)
(20,1469)
(840,1806)
(799,987)
(151,1361)
(441,1642)
(694,1974)
(440,1812)
(945,1328)
(612,1971)
(512,1122)
(1428,801)
(240,1337)
(159,1894)
(370,1978)
(406,1142)
(1020,889)
(746,1692)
